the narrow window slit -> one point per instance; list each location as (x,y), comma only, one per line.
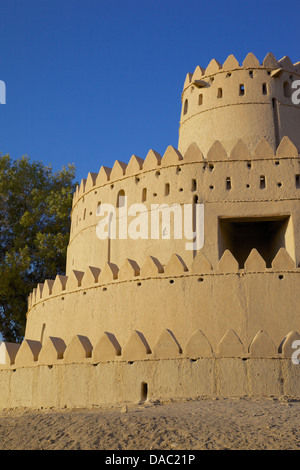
(144,391)
(121,198)
(262,182)
(264,88)
(185,109)
(286,90)
(144,194)
(228,183)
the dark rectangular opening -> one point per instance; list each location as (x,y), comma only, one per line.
(276,120)
(144,194)
(264,88)
(297,181)
(262,184)
(144,391)
(241,235)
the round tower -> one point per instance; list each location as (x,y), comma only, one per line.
(231,101)
(182,275)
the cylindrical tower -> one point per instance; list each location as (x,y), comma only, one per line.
(139,300)
(230,102)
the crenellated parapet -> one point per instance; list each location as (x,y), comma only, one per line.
(130,271)
(80,373)
(269,63)
(154,162)
(193,296)
(107,348)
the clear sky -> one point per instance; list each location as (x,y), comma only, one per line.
(94,81)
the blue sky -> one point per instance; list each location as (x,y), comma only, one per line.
(92,81)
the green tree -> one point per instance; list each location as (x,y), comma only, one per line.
(35,207)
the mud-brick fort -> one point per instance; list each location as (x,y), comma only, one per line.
(144,318)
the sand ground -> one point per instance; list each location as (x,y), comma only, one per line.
(216,424)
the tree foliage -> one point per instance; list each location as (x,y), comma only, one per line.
(35,207)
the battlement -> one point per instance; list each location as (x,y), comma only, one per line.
(154,162)
(82,374)
(107,292)
(130,271)
(269,63)
(79,349)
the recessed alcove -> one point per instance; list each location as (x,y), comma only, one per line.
(144,391)
(267,234)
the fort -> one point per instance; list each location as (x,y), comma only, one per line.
(144,318)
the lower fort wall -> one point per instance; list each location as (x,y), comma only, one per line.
(213,301)
(85,385)
(250,349)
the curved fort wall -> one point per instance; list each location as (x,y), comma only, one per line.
(236,183)
(206,299)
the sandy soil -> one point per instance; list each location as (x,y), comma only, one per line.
(205,424)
